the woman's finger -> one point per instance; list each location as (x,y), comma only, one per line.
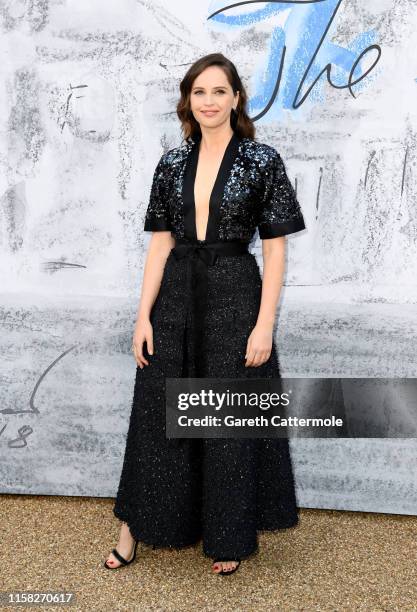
(138,349)
(140,352)
(259,357)
(251,357)
(149,343)
(135,353)
(264,357)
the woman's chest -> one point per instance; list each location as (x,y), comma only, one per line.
(231,196)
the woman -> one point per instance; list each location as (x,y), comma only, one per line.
(206,312)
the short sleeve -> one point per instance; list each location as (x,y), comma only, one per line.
(280,212)
(157,216)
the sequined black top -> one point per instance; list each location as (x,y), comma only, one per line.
(251,191)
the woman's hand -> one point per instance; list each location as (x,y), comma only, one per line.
(143,332)
(259,346)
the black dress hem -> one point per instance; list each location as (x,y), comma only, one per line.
(179,545)
(149,541)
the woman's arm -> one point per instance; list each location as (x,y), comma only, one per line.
(273,252)
(260,340)
(159,248)
(279,214)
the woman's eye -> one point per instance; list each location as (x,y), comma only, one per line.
(220,91)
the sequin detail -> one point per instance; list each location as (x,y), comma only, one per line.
(257,195)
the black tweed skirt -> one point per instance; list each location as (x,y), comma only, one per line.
(220,491)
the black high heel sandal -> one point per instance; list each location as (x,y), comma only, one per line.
(225,572)
(121,559)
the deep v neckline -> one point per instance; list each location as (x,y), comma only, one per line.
(216,194)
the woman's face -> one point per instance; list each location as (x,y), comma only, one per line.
(212,98)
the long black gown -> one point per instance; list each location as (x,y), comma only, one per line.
(174,492)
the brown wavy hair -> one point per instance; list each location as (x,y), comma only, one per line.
(240,122)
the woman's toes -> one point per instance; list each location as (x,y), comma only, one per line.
(112,562)
(225,566)
(228,566)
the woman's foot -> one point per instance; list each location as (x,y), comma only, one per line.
(125,546)
(226,566)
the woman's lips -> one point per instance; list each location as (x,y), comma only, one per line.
(209,113)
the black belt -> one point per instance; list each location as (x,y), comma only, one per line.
(201,255)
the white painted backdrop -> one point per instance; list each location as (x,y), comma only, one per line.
(87,107)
